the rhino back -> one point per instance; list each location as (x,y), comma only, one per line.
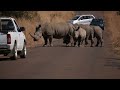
(98,31)
(89,30)
(56,29)
(82,32)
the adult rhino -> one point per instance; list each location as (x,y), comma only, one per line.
(98,33)
(54,30)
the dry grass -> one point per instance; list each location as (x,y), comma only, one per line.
(113,28)
(41,18)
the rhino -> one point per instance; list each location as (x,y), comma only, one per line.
(89,33)
(98,34)
(92,32)
(79,36)
(59,30)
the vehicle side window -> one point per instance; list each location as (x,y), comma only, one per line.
(91,17)
(18,29)
(88,17)
(83,17)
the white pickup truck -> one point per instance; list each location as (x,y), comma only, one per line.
(12,39)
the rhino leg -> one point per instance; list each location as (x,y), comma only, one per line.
(46,41)
(101,41)
(71,40)
(86,40)
(75,41)
(79,42)
(65,39)
(82,40)
(92,41)
(98,41)
(50,40)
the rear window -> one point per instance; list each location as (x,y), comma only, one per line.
(7,24)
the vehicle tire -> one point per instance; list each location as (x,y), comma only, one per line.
(23,52)
(14,57)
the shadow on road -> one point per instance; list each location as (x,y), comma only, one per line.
(5,59)
(67,46)
(112,58)
(54,46)
(112,62)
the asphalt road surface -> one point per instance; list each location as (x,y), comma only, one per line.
(61,62)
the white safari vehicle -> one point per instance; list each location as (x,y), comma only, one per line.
(82,19)
(12,39)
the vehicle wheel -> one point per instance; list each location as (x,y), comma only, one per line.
(24,52)
(14,57)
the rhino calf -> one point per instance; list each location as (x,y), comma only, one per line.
(89,33)
(79,36)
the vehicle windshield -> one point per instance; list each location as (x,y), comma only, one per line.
(7,24)
(75,18)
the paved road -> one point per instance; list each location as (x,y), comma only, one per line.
(62,63)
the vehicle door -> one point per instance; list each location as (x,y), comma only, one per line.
(85,20)
(20,36)
(89,19)
(82,20)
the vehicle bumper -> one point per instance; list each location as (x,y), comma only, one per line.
(5,49)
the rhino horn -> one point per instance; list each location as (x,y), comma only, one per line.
(33,37)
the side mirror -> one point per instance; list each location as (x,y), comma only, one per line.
(22,28)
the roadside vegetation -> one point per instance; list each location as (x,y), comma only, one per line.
(112,19)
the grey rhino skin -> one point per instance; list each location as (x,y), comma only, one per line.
(79,36)
(98,33)
(54,30)
(89,33)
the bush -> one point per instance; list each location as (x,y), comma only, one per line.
(118,12)
(19,14)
